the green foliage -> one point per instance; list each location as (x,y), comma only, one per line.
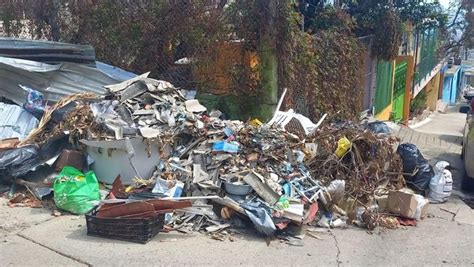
(387,36)
(243,19)
(422,14)
(330,18)
(320,67)
(418,104)
(381,18)
(321,71)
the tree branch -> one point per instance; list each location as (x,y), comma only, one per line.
(455,17)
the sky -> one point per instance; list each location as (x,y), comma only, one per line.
(444,3)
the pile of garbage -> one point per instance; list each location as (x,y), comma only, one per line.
(147,140)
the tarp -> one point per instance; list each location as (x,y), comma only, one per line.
(53,80)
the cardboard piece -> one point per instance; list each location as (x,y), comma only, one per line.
(9,143)
(401,203)
(405,204)
(72,158)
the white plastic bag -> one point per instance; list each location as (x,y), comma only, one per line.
(441,183)
(421,202)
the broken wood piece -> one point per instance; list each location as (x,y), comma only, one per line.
(9,143)
(314,236)
(228,202)
(165,204)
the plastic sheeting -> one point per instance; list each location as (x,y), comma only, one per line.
(260,217)
(15,121)
(18,161)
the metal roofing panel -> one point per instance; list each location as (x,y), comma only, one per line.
(15,121)
(53,80)
(114,72)
(46,51)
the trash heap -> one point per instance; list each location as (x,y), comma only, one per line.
(285,172)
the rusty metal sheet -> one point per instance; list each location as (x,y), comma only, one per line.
(164,204)
(125,209)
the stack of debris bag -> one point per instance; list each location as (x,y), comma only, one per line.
(150,142)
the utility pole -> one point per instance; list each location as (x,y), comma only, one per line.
(268,57)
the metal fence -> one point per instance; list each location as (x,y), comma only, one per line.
(428,58)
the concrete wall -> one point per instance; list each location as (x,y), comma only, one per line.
(385,114)
(432,92)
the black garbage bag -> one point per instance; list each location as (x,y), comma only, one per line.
(19,161)
(14,161)
(378,127)
(413,161)
(260,217)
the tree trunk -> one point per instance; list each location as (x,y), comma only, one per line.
(54,22)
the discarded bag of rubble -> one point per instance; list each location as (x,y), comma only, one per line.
(76,192)
(441,184)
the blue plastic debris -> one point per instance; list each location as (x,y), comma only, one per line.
(223,146)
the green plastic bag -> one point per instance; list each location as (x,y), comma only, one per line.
(74,191)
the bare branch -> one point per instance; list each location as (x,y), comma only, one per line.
(455,17)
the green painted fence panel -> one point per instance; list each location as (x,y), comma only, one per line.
(383,94)
(399,90)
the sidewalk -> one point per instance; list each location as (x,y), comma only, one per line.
(440,138)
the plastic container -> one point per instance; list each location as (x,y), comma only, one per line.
(129,229)
(343,145)
(237,189)
(127,158)
(223,146)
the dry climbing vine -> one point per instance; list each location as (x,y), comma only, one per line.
(322,71)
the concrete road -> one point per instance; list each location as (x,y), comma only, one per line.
(34,237)
(446,237)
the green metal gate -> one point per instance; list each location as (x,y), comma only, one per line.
(399,90)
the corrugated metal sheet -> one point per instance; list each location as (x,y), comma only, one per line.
(115,72)
(54,81)
(15,121)
(46,51)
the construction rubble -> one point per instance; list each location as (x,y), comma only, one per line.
(148,152)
